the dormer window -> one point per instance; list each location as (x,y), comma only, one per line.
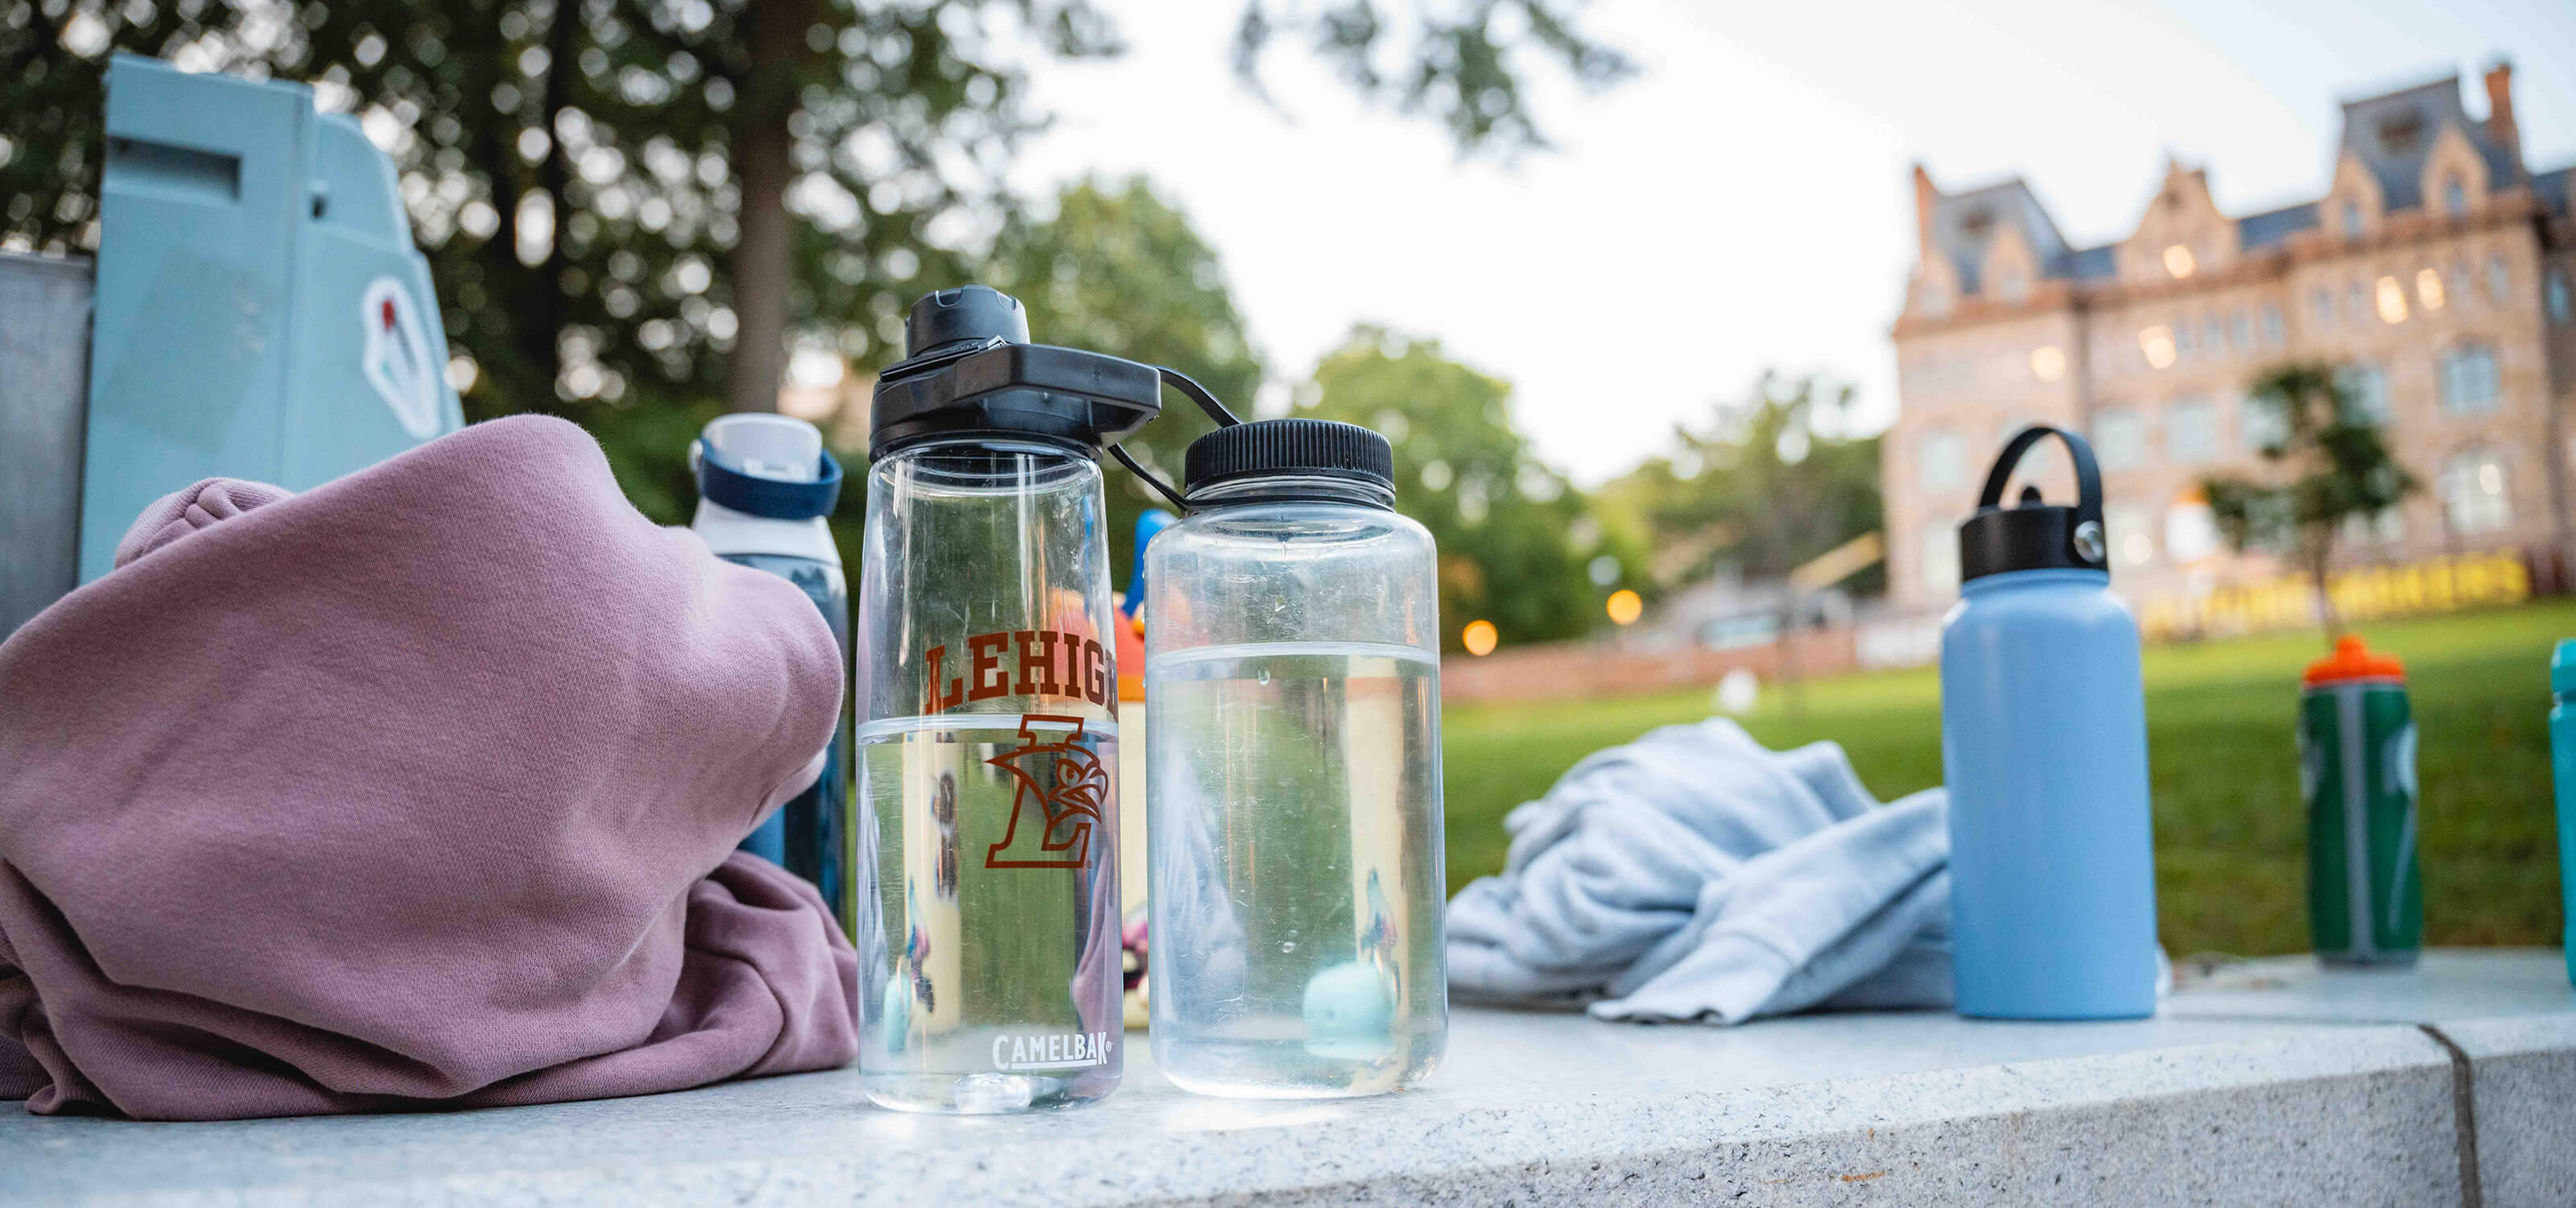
(2352,220)
(2455,197)
(2178,261)
(2398,133)
(2012,286)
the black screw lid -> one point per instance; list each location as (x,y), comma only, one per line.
(1294,449)
(2032,535)
(970,370)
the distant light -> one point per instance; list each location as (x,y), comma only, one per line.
(2178,261)
(2392,301)
(461,372)
(1603,570)
(1625,607)
(2158,343)
(1480,638)
(2428,288)
(2048,362)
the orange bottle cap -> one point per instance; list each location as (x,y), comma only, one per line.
(2353,661)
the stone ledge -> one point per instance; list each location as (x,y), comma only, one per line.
(1906,1108)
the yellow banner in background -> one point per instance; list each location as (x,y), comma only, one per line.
(2369,593)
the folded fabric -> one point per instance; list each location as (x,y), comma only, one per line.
(1696,875)
(417,789)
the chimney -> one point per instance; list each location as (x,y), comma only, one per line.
(1925,198)
(2500,124)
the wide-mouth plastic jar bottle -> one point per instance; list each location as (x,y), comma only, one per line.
(1292,686)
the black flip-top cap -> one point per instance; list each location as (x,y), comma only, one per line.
(1308,459)
(2032,535)
(969,369)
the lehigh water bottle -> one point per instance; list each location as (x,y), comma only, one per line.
(1292,685)
(988,744)
(765,484)
(2044,746)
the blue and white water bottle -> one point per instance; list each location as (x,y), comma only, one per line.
(2044,745)
(765,485)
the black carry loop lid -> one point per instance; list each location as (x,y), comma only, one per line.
(2032,535)
(1293,459)
(969,369)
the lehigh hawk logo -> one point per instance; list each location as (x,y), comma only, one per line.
(1069,787)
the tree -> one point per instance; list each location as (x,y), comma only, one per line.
(1118,268)
(1770,484)
(2329,465)
(1512,533)
(629,202)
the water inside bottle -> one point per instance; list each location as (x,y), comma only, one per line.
(995,965)
(1295,946)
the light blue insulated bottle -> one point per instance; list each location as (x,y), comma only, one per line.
(2044,745)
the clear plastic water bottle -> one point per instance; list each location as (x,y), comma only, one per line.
(988,732)
(1292,685)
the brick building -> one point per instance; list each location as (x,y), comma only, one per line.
(2436,266)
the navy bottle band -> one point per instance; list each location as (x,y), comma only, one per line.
(725,486)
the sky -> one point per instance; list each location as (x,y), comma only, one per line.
(1743,203)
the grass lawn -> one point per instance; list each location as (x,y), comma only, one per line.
(2231,867)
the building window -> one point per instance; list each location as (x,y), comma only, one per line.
(2384,527)
(2178,261)
(2324,299)
(2261,423)
(2365,389)
(2012,286)
(2499,282)
(1944,461)
(2241,332)
(2186,340)
(2120,438)
(2273,332)
(2191,530)
(2557,296)
(2428,289)
(2455,198)
(2468,373)
(1940,557)
(2392,301)
(2460,281)
(2214,338)
(2130,533)
(2157,343)
(2191,430)
(2473,492)
(1936,300)
(2356,305)
(2352,220)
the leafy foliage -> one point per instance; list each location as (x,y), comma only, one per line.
(2329,465)
(1513,534)
(1768,485)
(1455,63)
(1117,267)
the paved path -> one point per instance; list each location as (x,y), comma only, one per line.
(2267,1082)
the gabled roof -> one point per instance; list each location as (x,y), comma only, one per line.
(1964,226)
(2555,188)
(2272,226)
(2392,134)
